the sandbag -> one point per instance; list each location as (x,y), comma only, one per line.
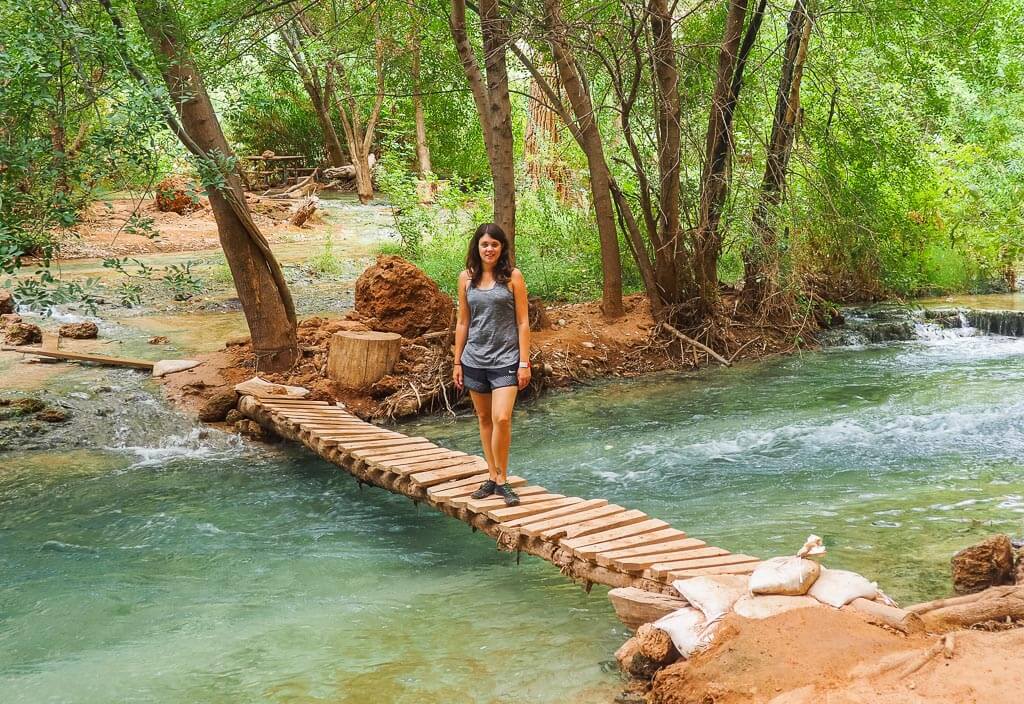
(839,587)
(758,607)
(713,595)
(688,629)
(791,576)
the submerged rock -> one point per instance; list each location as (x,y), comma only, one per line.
(23,334)
(987,564)
(7,304)
(53,415)
(80,331)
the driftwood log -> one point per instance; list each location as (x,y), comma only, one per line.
(357,359)
(993,604)
(635,607)
(885,615)
(304,212)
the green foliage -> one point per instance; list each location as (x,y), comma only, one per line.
(325,262)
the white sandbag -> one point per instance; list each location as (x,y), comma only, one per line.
(813,547)
(688,629)
(791,576)
(758,607)
(839,587)
(713,595)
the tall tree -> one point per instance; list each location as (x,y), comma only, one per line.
(491,96)
(259,280)
(416,48)
(761,287)
(719,149)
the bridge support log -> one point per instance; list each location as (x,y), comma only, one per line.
(572,566)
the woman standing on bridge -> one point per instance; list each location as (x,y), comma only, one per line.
(492,348)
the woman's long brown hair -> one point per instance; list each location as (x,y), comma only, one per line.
(474,265)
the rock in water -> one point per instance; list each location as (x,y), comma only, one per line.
(987,564)
(7,304)
(52,415)
(217,406)
(80,331)
(402,298)
(656,645)
(23,334)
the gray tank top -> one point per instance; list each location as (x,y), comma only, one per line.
(493,340)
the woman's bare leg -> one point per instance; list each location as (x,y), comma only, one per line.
(482,404)
(502,401)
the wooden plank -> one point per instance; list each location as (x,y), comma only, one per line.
(599,524)
(400,467)
(638,563)
(381,447)
(527,494)
(322,437)
(434,453)
(372,455)
(282,401)
(326,415)
(605,559)
(648,526)
(556,532)
(744,568)
(508,513)
(440,476)
(555,513)
(83,357)
(664,569)
(456,487)
(347,436)
(538,527)
(658,536)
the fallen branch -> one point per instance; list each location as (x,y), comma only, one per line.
(698,345)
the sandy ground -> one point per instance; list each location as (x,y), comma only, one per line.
(787,660)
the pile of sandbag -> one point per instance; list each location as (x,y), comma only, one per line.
(777,585)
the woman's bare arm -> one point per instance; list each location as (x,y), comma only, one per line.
(522,323)
(461,328)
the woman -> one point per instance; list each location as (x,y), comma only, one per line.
(492,348)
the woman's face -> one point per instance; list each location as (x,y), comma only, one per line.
(490,249)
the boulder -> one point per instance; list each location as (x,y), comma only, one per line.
(27,406)
(23,334)
(52,415)
(218,406)
(79,331)
(158,340)
(176,194)
(1018,571)
(401,298)
(7,304)
(656,645)
(633,662)
(8,318)
(987,564)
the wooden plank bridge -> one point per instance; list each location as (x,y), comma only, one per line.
(589,540)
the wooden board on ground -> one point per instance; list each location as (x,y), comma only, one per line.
(665,569)
(657,536)
(555,513)
(83,357)
(635,607)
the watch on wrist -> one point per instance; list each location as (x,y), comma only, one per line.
(524,365)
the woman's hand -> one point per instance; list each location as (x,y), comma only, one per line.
(457,376)
(524,377)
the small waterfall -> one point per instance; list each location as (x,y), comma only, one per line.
(1009,323)
(891,323)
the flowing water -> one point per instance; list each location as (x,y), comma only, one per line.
(147,559)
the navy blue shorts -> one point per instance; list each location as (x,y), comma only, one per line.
(483,381)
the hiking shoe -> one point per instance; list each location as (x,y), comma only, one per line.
(485,490)
(505,491)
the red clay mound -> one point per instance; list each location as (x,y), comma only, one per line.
(394,295)
(176,194)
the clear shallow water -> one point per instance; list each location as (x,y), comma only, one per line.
(897,455)
(145,559)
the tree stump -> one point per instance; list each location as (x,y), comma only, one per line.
(358,359)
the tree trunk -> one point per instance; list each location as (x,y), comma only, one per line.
(589,137)
(293,36)
(422,150)
(492,102)
(265,298)
(718,152)
(761,288)
(358,359)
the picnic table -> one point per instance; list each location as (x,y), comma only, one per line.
(270,171)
